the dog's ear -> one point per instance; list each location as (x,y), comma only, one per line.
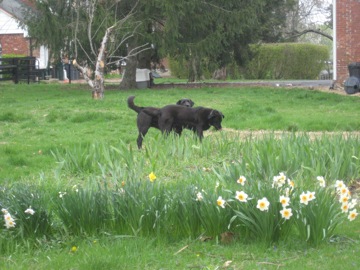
(192,102)
(214,113)
(179,102)
(211,114)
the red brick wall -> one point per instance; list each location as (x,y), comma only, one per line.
(347,36)
(15,44)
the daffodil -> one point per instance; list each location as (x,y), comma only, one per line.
(242,180)
(304,198)
(199,196)
(343,191)
(241,196)
(321,181)
(152,177)
(344,199)
(263,204)
(311,195)
(352,203)
(291,183)
(286,213)
(345,207)
(284,201)
(75,187)
(339,184)
(29,211)
(352,215)
(220,202)
(10,224)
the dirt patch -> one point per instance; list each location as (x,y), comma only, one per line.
(336,90)
(244,134)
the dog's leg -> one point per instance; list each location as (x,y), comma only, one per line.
(177,130)
(200,133)
(143,124)
(165,125)
(142,132)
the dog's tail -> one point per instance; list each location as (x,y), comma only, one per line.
(132,105)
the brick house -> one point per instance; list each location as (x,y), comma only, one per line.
(15,40)
(346,37)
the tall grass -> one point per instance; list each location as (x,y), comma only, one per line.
(110,191)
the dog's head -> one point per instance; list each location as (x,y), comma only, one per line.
(215,117)
(185,102)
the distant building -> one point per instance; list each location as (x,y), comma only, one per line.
(15,40)
(346,36)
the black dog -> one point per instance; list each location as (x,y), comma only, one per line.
(150,119)
(197,119)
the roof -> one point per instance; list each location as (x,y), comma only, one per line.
(15,7)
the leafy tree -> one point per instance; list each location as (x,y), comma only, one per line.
(220,30)
(94,33)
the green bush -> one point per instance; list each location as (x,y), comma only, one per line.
(287,61)
(13,55)
(179,68)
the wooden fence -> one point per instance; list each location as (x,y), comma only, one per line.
(18,69)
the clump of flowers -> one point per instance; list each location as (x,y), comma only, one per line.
(311,211)
(305,198)
(347,202)
(279,180)
(9,220)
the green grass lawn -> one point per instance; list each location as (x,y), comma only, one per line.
(35,119)
(54,136)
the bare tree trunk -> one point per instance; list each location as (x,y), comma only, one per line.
(97,84)
(194,69)
(144,59)
(129,77)
(220,74)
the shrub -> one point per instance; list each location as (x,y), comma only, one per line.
(287,61)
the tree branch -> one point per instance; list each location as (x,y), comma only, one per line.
(296,33)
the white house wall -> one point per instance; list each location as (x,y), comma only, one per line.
(44,57)
(9,25)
